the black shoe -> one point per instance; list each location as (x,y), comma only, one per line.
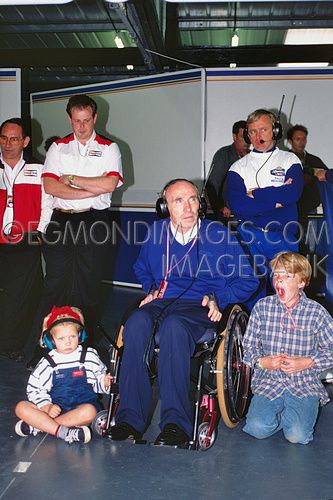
(172,435)
(17,356)
(37,356)
(122,431)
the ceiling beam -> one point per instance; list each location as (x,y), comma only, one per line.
(70,27)
(141,21)
(263,23)
(206,57)
(12,58)
(255,55)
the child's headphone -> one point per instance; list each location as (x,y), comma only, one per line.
(162,206)
(47,338)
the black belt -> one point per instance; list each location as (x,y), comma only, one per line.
(70,211)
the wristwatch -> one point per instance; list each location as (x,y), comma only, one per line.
(70,179)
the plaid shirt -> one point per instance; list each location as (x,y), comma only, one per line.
(271,332)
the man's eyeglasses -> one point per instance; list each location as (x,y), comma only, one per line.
(11,140)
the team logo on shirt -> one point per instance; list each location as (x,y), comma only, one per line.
(30,173)
(93,152)
(278,174)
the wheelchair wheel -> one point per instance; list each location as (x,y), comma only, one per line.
(99,423)
(233,376)
(205,443)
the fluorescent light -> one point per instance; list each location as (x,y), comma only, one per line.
(304,65)
(118,42)
(130,66)
(234,40)
(32,2)
(321,36)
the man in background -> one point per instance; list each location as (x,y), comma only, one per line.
(222,161)
(310,199)
(20,261)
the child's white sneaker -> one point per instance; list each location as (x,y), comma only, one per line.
(78,435)
(24,430)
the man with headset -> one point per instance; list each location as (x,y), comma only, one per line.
(190,269)
(263,189)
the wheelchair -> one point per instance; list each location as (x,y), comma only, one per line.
(222,380)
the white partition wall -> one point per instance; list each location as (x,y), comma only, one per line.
(10,93)
(156,121)
(234,93)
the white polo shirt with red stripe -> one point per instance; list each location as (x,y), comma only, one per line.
(67,156)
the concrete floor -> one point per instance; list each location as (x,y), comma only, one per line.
(236,467)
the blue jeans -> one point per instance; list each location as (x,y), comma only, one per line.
(294,416)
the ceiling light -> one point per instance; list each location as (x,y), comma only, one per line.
(32,2)
(234,40)
(319,36)
(118,42)
(304,65)
(130,66)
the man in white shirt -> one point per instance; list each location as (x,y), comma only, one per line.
(81,171)
(20,264)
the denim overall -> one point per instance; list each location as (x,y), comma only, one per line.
(70,386)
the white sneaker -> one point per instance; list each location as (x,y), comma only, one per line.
(24,430)
(78,434)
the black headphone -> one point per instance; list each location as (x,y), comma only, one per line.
(162,206)
(277,130)
(47,338)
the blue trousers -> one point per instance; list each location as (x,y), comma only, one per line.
(180,327)
(294,416)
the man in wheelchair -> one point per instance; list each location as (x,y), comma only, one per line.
(191,269)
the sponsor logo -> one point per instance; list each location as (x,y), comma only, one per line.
(30,173)
(278,175)
(95,153)
(278,172)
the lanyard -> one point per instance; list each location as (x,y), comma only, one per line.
(164,283)
(167,270)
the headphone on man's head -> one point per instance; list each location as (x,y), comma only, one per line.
(277,130)
(47,338)
(162,206)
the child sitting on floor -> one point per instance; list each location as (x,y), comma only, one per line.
(62,390)
(288,342)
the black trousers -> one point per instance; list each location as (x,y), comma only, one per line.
(20,287)
(75,251)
